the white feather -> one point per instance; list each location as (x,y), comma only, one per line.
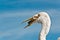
(45,20)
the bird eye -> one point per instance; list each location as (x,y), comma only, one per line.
(38,15)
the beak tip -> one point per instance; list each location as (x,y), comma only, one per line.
(26,26)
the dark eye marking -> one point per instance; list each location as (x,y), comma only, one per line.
(38,15)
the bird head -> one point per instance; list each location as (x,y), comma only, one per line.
(31,20)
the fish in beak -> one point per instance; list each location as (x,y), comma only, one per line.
(30,21)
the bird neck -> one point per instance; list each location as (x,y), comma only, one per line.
(45,30)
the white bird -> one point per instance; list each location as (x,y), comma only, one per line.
(44,19)
(58,38)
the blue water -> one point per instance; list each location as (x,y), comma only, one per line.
(13,12)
